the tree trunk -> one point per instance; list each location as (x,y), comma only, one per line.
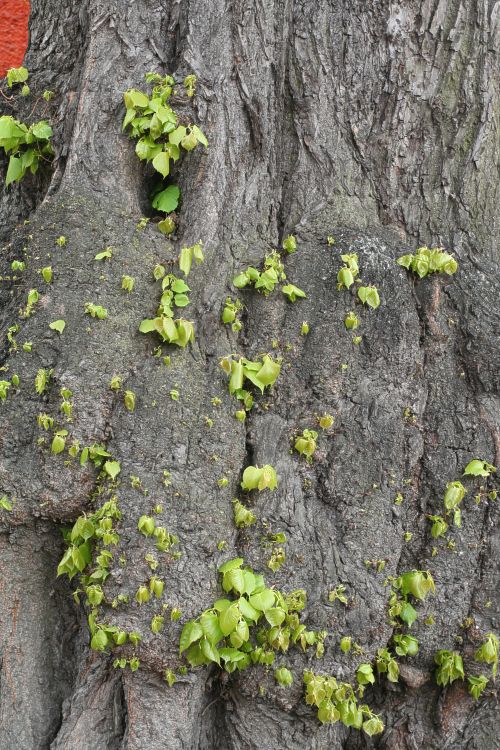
(377,123)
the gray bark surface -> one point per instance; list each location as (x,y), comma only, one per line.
(377,123)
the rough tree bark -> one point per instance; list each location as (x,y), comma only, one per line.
(377,123)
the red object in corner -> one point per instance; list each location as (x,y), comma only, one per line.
(14,16)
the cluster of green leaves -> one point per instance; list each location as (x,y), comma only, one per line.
(337,701)
(190,254)
(88,531)
(338,594)
(88,554)
(348,272)
(454,495)
(243,517)
(26,146)
(164,540)
(104,636)
(17,75)
(96,311)
(450,665)
(265,281)
(429,260)
(305,444)
(254,478)
(150,119)
(259,478)
(405,645)
(415,583)
(33,298)
(346,277)
(273,543)
(262,374)
(230,313)
(179,332)
(6,385)
(277,559)
(387,664)
(175,293)
(369,296)
(249,628)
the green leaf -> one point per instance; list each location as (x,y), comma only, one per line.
(345,277)
(135,99)
(181,300)
(58,325)
(58,443)
(237,376)
(373,726)
(250,582)
(364,674)
(99,640)
(167,200)
(247,610)
(229,618)
(147,326)
(369,296)
(231,654)
(209,651)
(408,614)
(293,292)
(209,622)
(455,493)
(199,135)
(191,632)
(275,616)
(185,260)
(405,261)
(106,253)
(161,163)
(129,116)
(269,371)
(5,503)
(478,468)
(17,75)
(189,141)
(234,579)
(477,685)
(237,562)
(42,130)
(15,170)
(112,468)
(177,135)
(195,656)
(263,601)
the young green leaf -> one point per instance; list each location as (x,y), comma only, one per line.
(479,468)
(58,325)
(167,200)
(369,296)
(16,75)
(293,292)
(112,469)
